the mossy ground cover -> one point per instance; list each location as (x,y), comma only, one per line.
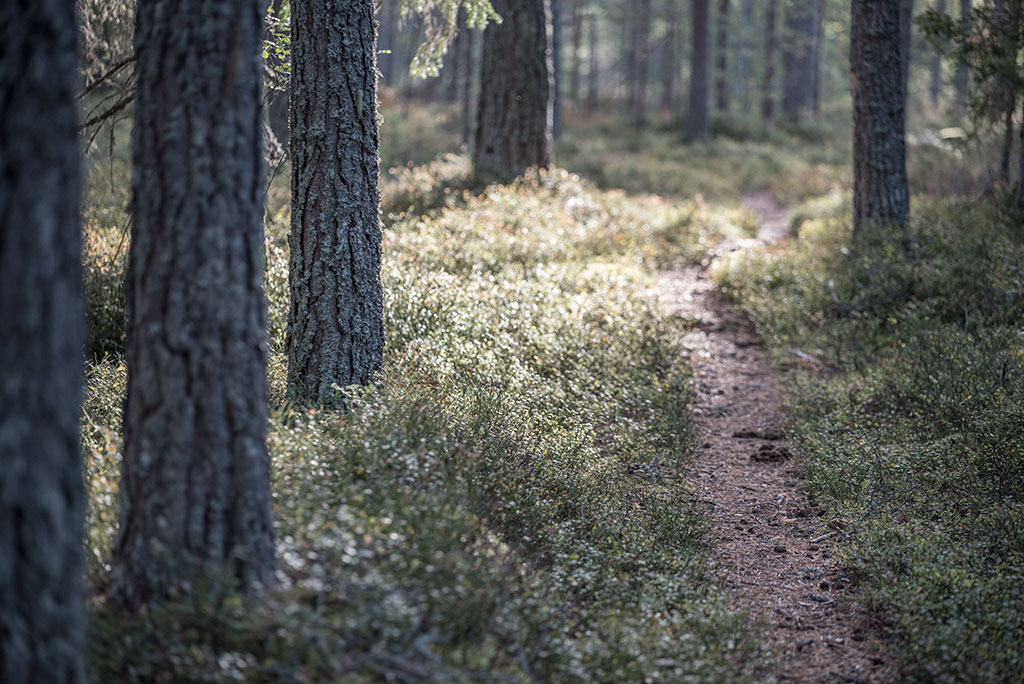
(911,418)
(507,503)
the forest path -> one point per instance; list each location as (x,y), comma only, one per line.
(772,543)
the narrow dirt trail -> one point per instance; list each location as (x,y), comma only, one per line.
(772,541)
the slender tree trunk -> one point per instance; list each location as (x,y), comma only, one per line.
(880,193)
(195,486)
(336,317)
(577,44)
(629,59)
(1007,18)
(387,32)
(698,124)
(42,600)
(771,48)
(1019,203)
(594,69)
(556,68)
(962,79)
(514,131)
(643,36)
(906,34)
(670,63)
(798,59)
(935,88)
(277,100)
(816,66)
(722,58)
(745,52)
(468,86)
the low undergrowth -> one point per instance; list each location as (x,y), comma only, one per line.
(909,406)
(507,503)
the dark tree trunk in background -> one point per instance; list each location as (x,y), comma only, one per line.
(336,316)
(771,48)
(386,40)
(630,50)
(643,39)
(42,598)
(1007,19)
(935,87)
(816,65)
(469,68)
(594,73)
(722,58)
(962,79)
(1019,203)
(880,193)
(670,57)
(577,45)
(906,34)
(744,55)
(195,487)
(798,59)
(698,124)
(514,130)
(556,68)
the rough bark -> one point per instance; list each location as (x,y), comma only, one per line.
(515,113)
(42,601)
(336,315)
(798,59)
(935,86)
(594,68)
(722,58)
(880,193)
(771,48)
(698,124)
(962,79)
(195,488)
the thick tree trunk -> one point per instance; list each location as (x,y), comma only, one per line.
(515,114)
(722,58)
(42,600)
(195,489)
(906,34)
(771,48)
(798,59)
(880,193)
(962,79)
(594,69)
(698,124)
(556,68)
(935,87)
(336,317)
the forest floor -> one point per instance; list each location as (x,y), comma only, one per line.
(773,542)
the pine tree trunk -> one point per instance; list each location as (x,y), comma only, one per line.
(336,316)
(594,69)
(556,68)
(880,193)
(935,89)
(698,124)
(643,35)
(771,48)
(468,84)
(744,54)
(195,489)
(670,57)
(1019,203)
(722,58)
(906,34)
(798,59)
(962,79)
(515,113)
(577,44)
(42,599)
